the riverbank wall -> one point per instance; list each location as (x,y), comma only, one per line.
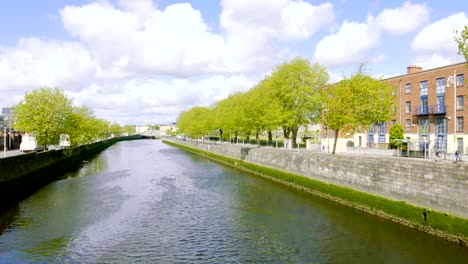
(21,174)
(423,194)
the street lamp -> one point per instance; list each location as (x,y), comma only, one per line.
(4,135)
(453,79)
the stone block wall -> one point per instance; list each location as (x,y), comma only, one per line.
(442,186)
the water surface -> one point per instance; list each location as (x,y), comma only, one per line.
(147,202)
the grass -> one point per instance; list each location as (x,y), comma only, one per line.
(437,223)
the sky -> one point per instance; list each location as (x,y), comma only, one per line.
(143,62)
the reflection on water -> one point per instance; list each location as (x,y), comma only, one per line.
(144,201)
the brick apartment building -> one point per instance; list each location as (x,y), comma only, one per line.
(430,108)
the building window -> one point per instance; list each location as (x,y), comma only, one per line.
(408,107)
(424,126)
(393,122)
(460,102)
(408,88)
(408,125)
(382,129)
(441,86)
(460,144)
(460,123)
(424,106)
(460,80)
(440,104)
(423,86)
(440,125)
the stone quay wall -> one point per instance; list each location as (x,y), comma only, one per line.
(24,173)
(440,186)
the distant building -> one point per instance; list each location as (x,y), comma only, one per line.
(165,129)
(142,129)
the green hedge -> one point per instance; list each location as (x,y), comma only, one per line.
(441,224)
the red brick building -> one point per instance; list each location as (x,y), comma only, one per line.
(430,108)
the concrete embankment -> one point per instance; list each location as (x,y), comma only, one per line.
(422,194)
(19,175)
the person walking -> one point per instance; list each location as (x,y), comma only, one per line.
(457,155)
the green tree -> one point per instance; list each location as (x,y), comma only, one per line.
(297,85)
(44,112)
(462,40)
(263,109)
(129,129)
(156,127)
(195,122)
(115,130)
(356,102)
(230,115)
(80,126)
(396,132)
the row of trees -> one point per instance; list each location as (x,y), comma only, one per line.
(49,113)
(294,95)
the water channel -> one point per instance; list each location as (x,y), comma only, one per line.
(147,202)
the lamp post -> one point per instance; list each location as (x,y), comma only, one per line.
(453,79)
(4,136)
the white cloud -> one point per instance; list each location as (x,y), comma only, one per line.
(439,36)
(140,101)
(401,20)
(434,61)
(353,41)
(177,41)
(348,46)
(120,46)
(34,63)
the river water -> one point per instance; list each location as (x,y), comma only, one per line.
(147,202)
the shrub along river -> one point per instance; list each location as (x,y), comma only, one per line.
(144,201)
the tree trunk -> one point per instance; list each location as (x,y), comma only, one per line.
(336,140)
(257,136)
(235,136)
(270,137)
(221,134)
(294,136)
(286,132)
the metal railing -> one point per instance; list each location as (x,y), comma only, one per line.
(430,109)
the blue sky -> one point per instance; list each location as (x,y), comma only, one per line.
(143,61)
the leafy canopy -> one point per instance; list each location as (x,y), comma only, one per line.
(462,40)
(396,132)
(355,102)
(45,112)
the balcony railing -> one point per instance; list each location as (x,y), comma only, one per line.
(430,109)
(437,109)
(421,110)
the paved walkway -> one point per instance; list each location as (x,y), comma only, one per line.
(10,153)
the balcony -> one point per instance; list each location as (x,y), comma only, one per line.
(437,109)
(430,110)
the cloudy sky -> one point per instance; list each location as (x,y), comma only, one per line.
(143,61)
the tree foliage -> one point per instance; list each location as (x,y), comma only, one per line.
(297,85)
(196,122)
(129,129)
(462,40)
(48,113)
(115,130)
(356,102)
(396,132)
(45,112)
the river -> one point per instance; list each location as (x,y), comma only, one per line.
(146,202)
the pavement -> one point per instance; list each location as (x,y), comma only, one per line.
(10,153)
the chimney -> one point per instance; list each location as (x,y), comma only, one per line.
(413,69)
